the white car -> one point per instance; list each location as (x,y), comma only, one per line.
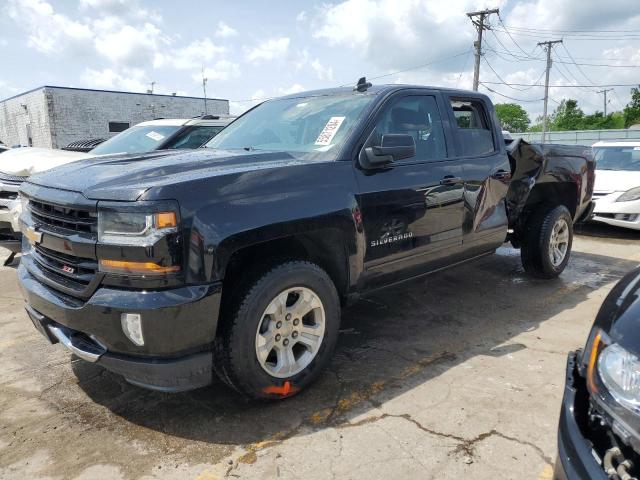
(16,165)
(617,185)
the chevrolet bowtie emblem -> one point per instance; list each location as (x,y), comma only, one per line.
(32,235)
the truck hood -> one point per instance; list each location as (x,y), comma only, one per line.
(614,180)
(127,177)
(26,161)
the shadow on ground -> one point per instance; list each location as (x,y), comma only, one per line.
(388,345)
(603,230)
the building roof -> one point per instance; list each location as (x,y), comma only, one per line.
(54,87)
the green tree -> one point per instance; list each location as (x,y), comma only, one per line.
(632,110)
(512,117)
(568,116)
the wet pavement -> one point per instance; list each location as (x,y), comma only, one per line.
(458,375)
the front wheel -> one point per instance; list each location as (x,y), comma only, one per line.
(547,241)
(282,332)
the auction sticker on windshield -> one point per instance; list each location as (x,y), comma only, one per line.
(329,131)
(155,136)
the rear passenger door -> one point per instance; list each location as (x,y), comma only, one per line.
(486,172)
(412,209)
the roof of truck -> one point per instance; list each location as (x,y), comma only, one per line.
(378,89)
(221,121)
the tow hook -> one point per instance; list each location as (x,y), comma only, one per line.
(621,472)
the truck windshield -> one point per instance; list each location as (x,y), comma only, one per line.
(145,138)
(617,158)
(306,127)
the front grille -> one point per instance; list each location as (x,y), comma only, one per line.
(69,271)
(63,217)
(601,194)
(11,179)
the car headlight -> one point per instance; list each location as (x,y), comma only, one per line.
(135,228)
(630,195)
(620,372)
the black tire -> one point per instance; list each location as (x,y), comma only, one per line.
(535,252)
(235,349)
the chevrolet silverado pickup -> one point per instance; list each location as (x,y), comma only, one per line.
(166,267)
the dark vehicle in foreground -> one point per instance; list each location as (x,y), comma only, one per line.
(599,432)
(164,267)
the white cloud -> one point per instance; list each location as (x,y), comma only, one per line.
(193,56)
(225,31)
(323,72)
(393,35)
(295,88)
(129,45)
(221,70)
(49,32)
(302,16)
(272,49)
(133,80)
(120,8)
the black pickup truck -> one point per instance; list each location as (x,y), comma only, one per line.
(168,266)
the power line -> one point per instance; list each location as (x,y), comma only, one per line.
(466,59)
(548,31)
(577,66)
(565,86)
(507,96)
(573,37)
(417,67)
(563,60)
(512,39)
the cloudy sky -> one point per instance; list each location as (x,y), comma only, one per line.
(252,50)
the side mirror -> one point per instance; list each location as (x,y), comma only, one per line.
(394,147)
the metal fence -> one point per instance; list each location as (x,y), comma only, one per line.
(580,137)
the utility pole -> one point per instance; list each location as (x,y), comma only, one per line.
(204,89)
(605,98)
(152,85)
(481,27)
(548,46)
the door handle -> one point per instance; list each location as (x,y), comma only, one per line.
(451,180)
(501,175)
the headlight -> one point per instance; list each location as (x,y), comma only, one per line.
(620,373)
(630,195)
(135,228)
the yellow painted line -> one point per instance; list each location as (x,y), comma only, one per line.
(546,473)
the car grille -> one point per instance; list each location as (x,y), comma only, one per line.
(11,179)
(69,271)
(58,216)
(601,194)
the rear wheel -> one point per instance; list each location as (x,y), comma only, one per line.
(547,241)
(281,333)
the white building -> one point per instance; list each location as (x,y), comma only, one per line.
(56,116)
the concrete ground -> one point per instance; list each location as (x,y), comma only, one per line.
(459,375)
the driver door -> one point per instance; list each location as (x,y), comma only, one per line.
(412,209)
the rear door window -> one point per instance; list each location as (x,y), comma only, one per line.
(473,127)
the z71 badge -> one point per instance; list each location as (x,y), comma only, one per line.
(391,239)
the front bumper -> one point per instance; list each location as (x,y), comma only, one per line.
(179,327)
(575,458)
(619,214)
